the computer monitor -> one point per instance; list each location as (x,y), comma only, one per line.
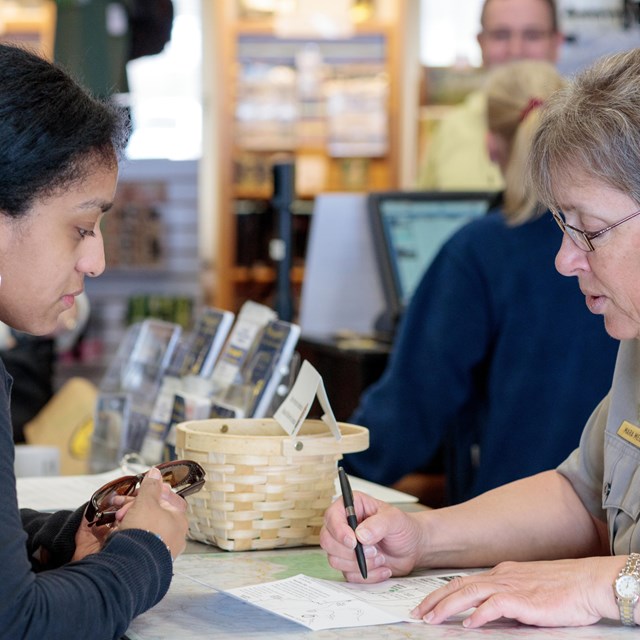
(342,289)
(408,230)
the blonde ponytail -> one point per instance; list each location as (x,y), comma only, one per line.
(516,93)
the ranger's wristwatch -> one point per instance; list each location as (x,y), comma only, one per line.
(627,589)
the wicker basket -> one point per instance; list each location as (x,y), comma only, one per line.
(264,489)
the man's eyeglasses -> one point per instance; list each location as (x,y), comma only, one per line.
(185,477)
(531,36)
(583,239)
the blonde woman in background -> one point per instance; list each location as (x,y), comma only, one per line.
(515,94)
(510,30)
(474,371)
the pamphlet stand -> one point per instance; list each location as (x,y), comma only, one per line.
(162,376)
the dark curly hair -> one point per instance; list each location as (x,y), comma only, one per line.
(52,131)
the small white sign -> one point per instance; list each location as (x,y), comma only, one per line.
(296,406)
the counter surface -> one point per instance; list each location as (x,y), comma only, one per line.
(195,608)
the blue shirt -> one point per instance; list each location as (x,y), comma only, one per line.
(497,360)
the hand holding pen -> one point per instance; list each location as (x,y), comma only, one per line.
(347,498)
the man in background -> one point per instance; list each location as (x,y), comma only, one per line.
(457,157)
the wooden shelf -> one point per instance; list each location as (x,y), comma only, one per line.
(32,25)
(377,49)
(263,274)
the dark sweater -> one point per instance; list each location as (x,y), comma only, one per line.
(94,598)
(497,354)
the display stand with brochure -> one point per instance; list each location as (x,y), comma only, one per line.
(162,376)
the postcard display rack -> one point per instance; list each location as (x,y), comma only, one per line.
(227,366)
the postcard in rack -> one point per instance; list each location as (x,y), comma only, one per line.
(109,432)
(197,352)
(267,363)
(260,369)
(251,319)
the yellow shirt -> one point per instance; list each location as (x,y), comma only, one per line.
(457,157)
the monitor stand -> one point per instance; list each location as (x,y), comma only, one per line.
(385,326)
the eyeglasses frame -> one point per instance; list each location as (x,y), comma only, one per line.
(587,236)
(528,35)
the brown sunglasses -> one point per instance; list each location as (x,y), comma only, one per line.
(185,477)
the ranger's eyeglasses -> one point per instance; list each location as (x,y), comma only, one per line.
(581,238)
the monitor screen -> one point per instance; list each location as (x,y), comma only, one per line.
(341,290)
(409,228)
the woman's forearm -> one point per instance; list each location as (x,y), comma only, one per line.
(536,518)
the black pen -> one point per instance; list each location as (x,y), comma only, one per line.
(347,498)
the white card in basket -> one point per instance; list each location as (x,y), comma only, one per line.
(295,407)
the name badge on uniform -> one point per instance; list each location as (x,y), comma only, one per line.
(630,433)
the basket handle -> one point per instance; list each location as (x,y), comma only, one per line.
(358,440)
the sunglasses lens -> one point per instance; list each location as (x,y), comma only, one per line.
(189,489)
(181,475)
(176,476)
(102,499)
(124,488)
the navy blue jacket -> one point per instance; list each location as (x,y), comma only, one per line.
(497,360)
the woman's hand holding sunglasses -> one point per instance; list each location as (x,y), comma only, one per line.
(168,498)
(89,540)
(157,509)
(151,501)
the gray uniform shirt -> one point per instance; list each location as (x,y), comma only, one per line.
(605,469)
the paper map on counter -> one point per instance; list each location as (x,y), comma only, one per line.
(326,604)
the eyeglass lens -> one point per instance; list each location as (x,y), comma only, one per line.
(576,236)
(528,35)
